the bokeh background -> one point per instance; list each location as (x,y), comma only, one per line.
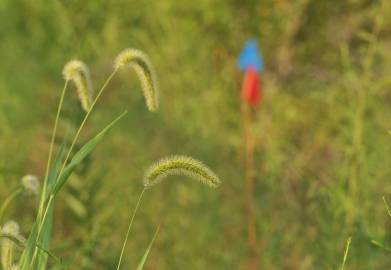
(322,148)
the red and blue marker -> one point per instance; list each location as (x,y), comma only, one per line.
(250,61)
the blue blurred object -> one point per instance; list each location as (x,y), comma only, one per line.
(250,57)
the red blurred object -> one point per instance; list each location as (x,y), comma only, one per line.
(251,89)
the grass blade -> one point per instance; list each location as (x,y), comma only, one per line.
(54,187)
(146,253)
(81,154)
(380,245)
(24,263)
(345,256)
(387,207)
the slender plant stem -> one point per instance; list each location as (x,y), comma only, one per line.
(345,256)
(8,200)
(49,161)
(249,187)
(85,119)
(70,151)
(129,227)
(45,214)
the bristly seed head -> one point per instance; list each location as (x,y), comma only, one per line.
(79,73)
(140,62)
(180,165)
(9,241)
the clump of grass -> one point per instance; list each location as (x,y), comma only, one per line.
(140,62)
(36,247)
(180,165)
(79,73)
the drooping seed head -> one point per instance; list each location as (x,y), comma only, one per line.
(30,184)
(11,236)
(79,73)
(180,165)
(140,62)
(11,228)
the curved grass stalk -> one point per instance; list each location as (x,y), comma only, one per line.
(7,202)
(141,64)
(85,119)
(180,165)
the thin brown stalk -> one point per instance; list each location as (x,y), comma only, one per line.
(253,254)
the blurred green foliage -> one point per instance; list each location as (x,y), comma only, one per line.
(323,152)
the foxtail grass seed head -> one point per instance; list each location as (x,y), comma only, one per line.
(79,73)
(140,62)
(30,184)
(180,165)
(8,246)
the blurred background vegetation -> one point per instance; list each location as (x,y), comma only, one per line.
(323,151)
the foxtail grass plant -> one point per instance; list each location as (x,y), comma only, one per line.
(124,58)
(175,165)
(59,167)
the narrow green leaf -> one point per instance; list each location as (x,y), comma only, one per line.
(81,154)
(387,207)
(48,224)
(146,253)
(24,262)
(44,243)
(345,256)
(54,187)
(380,245)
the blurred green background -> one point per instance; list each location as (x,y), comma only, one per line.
(322,148)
